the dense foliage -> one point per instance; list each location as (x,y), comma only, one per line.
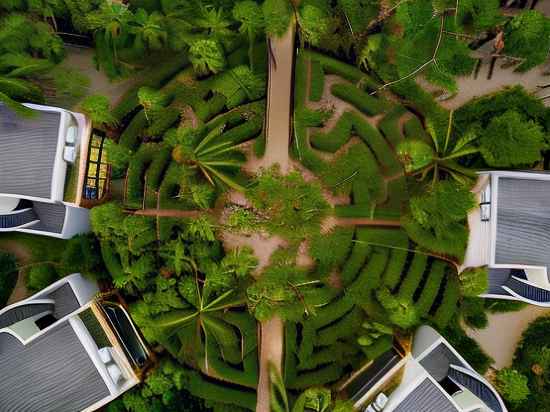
(8,276)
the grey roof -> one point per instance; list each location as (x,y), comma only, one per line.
(437,362)
(66,301)
(498,278)
(477,387)
(51,215)
(523,222)
(53,373)
(21,312)
(426,397)
(28,152)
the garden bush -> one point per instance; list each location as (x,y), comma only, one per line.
(8,276)
(413,277)
(395,268)
(338,67)
(447,309)
(389,125)
(331,250)
(431,288)
(335,138)
(473,312)
(346,326)
(41,276)
(131,135)
(136,172)
(365,103)
(360,290)
(359,253)
(413,129)
(474,281)
(317,81)
(319,377)
(155,173)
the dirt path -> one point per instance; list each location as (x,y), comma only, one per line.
(279,102)
(24,257)
(172,213)
(500,338)
(279,105)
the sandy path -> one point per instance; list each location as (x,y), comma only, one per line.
(172,213)
(500,338)
(279,101)
(24,257)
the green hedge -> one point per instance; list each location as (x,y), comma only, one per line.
(360,290)
(170,187)
(388,237)
(163,121)
(8,277)
(413,129)
(347,71)
(319,377)
(365,103)
(111,259)
(335,138)
(154,78)
(131,136)
(397,195)
(200,387)
(389,125)
(207,109)
(137,168)
(395,269)
(414,276)
(357,258)
(448,306)
(345,327)
(431,287)
(155,173)
(317,83)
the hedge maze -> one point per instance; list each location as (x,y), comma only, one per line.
(229,106)
(323,347)
(356,156)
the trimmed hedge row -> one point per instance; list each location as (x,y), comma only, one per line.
(335,138)
(207,109)
(357,258)
(344,327)
(317,81)
(137,168)
(414,276)
(389,125)
(447,308)
(431,287)
(130,137)
(360,290)
(344,70)
(395,269)
(365,103)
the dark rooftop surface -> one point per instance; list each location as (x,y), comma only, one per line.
(51,374)
(27,152)
(523,222)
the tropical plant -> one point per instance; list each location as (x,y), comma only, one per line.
(98,108)
(217,160)
(474,281)
(149,30)
(249,14)
(440,154)
(207,56)
(512,385)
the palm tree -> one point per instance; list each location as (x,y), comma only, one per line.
(207,55)
(421,158)
(216,159)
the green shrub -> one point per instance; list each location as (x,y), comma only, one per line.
(334,139)
(317,83)
(512,385)
(136,173)
(277,15)
(319,377)
(163,121)
(414,276)
(389,125)
(111,259)
(413,129)
(447,308)
(130,137)
(331,250)
(82,254)
(360,290)
(431,287)
(474,281)
(503,306)
(347,71)
(397,195)
(206,110)
(41,276)
(362,101)
(359,253)
(157,167)
(473,313)
(396,267)
(346,326)
(8,277)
